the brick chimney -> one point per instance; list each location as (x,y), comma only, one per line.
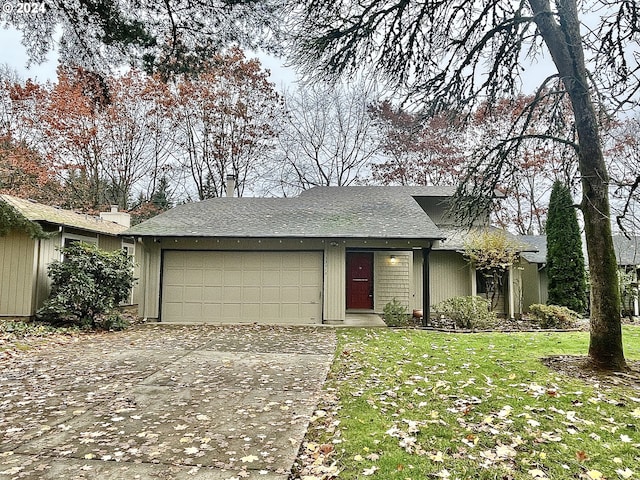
(121,218)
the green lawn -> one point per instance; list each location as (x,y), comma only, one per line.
(414,405)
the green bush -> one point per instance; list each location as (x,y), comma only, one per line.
(467,312)
(554,316)
(87,287)
(395,314)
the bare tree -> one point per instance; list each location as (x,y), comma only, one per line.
(224,123)
(326,137)
(451,54)
(623,155)
(417,149)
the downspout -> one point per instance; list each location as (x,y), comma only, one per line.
(35,289)
(426,290)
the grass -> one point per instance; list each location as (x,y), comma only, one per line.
(414,405)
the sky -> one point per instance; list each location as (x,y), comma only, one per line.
(13,53)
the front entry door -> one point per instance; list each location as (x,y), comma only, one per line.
(360,280)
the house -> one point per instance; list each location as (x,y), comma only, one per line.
(457,277)
(628,258)
(533,271)
(307,259)
(24,256)
(534,274)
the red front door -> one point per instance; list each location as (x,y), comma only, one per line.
(360,280)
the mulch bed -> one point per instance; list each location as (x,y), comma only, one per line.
(577,366)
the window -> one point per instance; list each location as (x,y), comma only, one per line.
(69,239)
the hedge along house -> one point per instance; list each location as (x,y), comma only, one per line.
(307,259)
(31,237)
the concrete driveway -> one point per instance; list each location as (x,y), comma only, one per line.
(167,402)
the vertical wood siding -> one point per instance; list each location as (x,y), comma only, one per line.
(392,280)
(109,243)
(450,276)
(150,303)
(17,271)
(335,295)
(416,290)
(48,250)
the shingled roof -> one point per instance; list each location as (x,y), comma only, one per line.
(38,212)
(326,212)
(540,244)
(627,249)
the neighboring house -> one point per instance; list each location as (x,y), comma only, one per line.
(628,257)
(24,284)
(534,273)
(306,259)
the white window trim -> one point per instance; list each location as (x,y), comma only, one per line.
(73,236)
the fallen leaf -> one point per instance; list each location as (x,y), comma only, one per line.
(249,459)
(537,473)
(626,473)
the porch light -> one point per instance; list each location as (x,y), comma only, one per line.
(393,259)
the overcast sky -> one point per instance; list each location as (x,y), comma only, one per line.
(13,54)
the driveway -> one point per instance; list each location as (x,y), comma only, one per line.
(163,402)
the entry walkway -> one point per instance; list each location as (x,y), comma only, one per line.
(364,320)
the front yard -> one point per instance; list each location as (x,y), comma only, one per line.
(415,405)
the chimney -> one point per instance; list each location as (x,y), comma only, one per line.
(231,185)
(121,218)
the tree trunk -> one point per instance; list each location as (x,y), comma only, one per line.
(565,45)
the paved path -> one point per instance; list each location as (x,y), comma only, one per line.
(163,402)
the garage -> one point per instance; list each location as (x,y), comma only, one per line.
(232,286)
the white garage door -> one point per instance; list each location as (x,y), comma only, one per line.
(231,287)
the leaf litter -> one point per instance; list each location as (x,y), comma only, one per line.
(182,398)
(413,405)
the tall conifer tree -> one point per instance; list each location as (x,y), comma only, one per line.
(565,260)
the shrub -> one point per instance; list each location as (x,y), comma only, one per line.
(395,314)
(467,312)
(565,261)
(87,287)
(554,316)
